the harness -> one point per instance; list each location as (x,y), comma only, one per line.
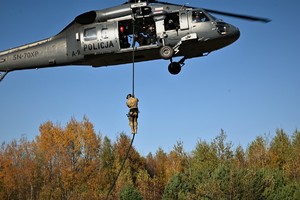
(133,112)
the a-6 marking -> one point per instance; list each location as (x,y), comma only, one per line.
(26,55)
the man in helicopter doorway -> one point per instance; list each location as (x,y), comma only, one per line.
(132,104)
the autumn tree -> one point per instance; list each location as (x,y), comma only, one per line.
(73,162)
(177,161)
(239,157)
(18,171)
(132,165)
(280,150)
(160,170)
(49,151)
(148,182)
(258,153)
(69,159)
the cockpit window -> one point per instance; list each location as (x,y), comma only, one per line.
(199,16)
(90,34)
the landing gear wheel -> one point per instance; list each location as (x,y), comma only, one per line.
(166,52)
(174,68)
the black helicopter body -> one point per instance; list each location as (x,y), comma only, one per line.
(147,30)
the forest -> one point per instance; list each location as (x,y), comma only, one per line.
(73,162)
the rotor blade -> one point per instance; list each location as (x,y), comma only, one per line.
(246,17)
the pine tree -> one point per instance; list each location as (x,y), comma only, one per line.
(129,193)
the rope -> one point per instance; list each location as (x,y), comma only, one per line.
(127,154)
(122,166)
(133,72)
(133,54)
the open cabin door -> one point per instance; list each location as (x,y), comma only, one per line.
(140,32)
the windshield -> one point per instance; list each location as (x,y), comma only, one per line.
(199,16)
(212,17)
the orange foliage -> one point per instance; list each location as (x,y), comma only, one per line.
(73,162)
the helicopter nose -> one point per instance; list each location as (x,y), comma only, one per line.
(234,32)
(228,31)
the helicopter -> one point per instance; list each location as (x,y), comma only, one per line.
(137,30)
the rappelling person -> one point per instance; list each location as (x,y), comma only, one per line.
(132,104)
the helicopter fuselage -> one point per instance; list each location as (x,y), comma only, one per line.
(109,37)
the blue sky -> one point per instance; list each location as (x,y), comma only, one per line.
(250,88)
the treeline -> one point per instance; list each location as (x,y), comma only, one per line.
(73,162)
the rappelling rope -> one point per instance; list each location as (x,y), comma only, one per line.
(122,166)
(133,135)
(133,54)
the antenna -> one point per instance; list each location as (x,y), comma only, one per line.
(184,5)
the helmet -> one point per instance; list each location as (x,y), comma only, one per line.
(128,96)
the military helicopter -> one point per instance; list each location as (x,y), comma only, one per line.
(147,29)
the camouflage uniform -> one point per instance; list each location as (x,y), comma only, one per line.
(132,104)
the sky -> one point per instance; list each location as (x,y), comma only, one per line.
(248,89)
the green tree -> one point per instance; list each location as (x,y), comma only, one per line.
(288,192)
(107,158)
(129,193)
(295,161)
(177,188)
(204,158)
(223,148)
(252,182)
